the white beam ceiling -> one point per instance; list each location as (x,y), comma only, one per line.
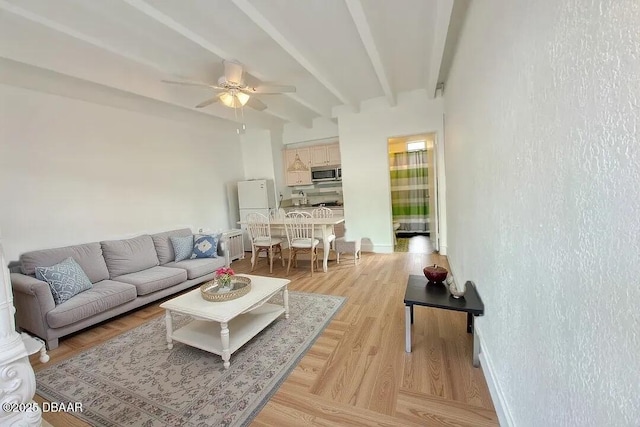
(337,53)
(289,47)
(359,18)
(443,18)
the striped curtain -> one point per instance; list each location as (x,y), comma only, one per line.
(410,190)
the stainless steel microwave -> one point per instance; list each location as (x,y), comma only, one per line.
(325,174)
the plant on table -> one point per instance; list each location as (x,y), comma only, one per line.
(223,275)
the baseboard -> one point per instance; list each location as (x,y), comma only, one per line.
(497,395)
(502,410)
(380,249)
(443,250)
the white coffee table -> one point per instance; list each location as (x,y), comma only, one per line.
(240,319)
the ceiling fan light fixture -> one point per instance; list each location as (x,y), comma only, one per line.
(234,99)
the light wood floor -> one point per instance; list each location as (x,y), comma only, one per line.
(357,373)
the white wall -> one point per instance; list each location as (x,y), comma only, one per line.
(74,172)
(262,154)
(322,128)
(277,153)
(365,161)
(257,154)
(543,178)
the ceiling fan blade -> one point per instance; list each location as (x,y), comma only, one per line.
(256,104)
(207,102)
(174,82)
(233,72)
(269,89)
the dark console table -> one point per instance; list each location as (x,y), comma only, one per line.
(437,295)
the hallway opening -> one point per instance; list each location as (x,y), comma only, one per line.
(412,177)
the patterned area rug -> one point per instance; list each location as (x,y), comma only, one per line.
(134,380)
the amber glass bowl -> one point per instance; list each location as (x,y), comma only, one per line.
(435,273)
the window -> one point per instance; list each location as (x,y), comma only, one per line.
(415,145)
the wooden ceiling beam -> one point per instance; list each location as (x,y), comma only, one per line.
(263,23)
(362,25)
(443,17)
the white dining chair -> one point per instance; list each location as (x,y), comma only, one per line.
(303,213)
(261,240)
(324,212)
(300,234)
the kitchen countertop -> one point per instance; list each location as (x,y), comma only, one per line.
(293,207)
(289,204)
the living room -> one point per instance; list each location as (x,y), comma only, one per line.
(540,174)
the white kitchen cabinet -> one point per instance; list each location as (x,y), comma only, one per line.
(299,176)
(333,154)
(325,155)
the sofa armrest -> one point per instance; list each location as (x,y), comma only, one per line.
(33,300)
(223,249)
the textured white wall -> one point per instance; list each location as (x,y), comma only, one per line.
(257,154)
(74,172)
(322,128)
(543,177)
(365,160)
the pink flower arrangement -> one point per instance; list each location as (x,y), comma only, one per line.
(223,274)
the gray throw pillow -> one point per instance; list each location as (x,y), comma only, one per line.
(182,246)
(65,279)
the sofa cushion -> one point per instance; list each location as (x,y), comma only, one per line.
(154,279)
(65,279)
(205,246)
(198,267)
(182,247)
(163,245)
(129,255)
(103,296)
(88,256)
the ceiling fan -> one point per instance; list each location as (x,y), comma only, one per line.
(232,90)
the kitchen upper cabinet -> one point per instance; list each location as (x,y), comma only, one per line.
(325,155)
(297,166)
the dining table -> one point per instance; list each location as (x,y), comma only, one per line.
(323,227)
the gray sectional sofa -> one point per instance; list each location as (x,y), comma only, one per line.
(125,274)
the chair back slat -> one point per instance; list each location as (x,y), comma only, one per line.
(298,226)
(258,225)
(322,212)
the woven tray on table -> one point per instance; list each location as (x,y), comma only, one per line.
(211,291)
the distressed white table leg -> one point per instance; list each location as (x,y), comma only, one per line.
(44,357)
(407,327)
(325,249)
(476,347)
(224,338)
(285,299)
(169,323)
(253,256)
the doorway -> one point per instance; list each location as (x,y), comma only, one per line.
(413,185)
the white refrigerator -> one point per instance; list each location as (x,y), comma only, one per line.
(257,195)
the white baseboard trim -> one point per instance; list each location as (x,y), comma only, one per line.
(442,250)
(502,410)
(380,249)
